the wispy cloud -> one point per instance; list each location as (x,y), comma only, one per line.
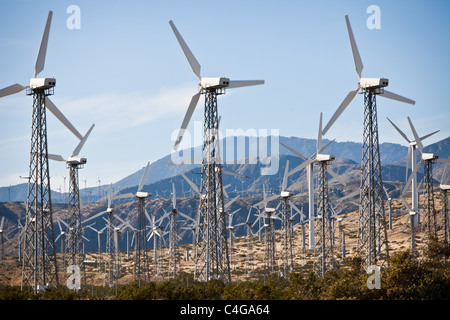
(125,110)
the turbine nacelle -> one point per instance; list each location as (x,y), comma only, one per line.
(429,156)
(269,210)
(325,157)
(76,160)
(141,194)
(373,83)
(286,194)
(42,83)
(214,83)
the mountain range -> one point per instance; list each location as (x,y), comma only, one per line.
(393,159)
(245,190)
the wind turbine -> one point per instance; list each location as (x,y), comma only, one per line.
(141,261)
(212,260)
(269,230)
(157,234)
(412,157)
(75,236)
(308,163)
(99,244)
(62,234)
(431,224)
(232,235)
(39,267)
(372,202)
(112,260)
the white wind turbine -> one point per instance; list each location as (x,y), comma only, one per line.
(412,148)
(373,240)
(427,159)
(308,163)
(39,191)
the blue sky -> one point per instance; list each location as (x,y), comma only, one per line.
(124,71)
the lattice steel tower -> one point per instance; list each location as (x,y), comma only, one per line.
(372,233)
(173,243)
(141,255)
(287,262)
(444,199)
(212,257)
(269,241)
(324,250)
(39,267)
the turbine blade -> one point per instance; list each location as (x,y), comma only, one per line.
(286,171)
(300,167)
(11,90)
(58,114)
(350,195)
(408,159)
(296,209)
(293,151)
(193,186)
(148,217)
(406,204)
(408,183)
(244,83)
(187,52)
(399,131)
(187,118)
(81,144)
(94,216)
(233,174)
(123,196)
(428,135)
(55,157)
(230,202)
(319,135)
(444,160)
(341,109)
(40,61)
(248,215)
(356,57)
(394,96)
(185,216)
(416,136)
(64,223)
(141,184)
(275,196)
(326,146)
(174,197)
(335,176)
